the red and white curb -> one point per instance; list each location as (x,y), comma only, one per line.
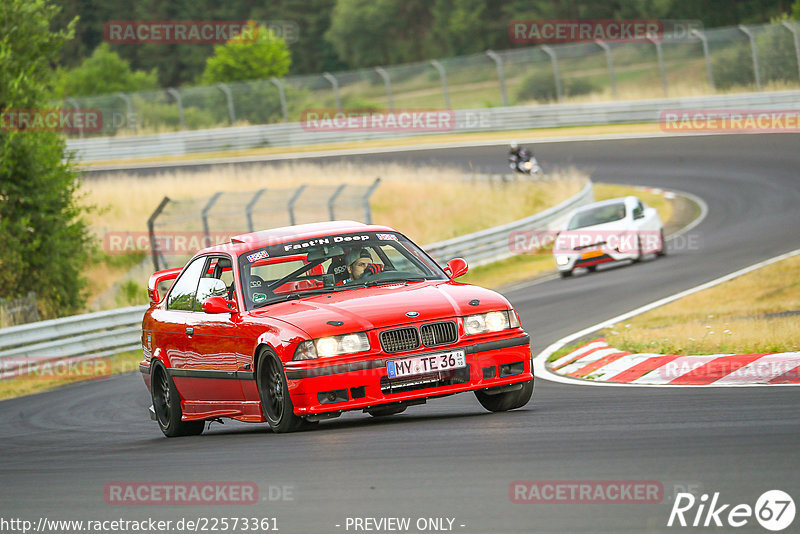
(600,362)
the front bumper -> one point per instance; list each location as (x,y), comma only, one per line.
(570,261)
(365,384)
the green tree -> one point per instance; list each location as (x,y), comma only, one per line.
(103,72)
(239,60)
(42,235)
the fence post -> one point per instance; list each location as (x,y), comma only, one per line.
(177,96)
(388,83)
(231,111)
(206,209)
(752,39)
(707,54)
(335,85)
(610,63)
(282,93)
(498,61)
(443,75)
(332,201)
(249,209)
(793,29)
(151,230)
(660,57)
(74,104)
(129,106)
(556,75)
(365,200)
(292,201)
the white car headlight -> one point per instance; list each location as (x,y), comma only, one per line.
(490,322)
(332,346)
(562,260)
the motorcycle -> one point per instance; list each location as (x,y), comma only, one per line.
(525,163)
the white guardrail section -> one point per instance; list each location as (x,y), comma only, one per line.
(94,335)
(466,120)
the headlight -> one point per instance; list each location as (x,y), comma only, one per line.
(332,346)
(562,260)
(490,322)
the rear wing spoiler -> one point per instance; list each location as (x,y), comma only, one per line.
(156,279)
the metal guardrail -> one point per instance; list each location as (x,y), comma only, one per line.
(98,334)
(466,121)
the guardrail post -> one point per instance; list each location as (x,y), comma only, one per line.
(752,39)
(292,201)
(129,106)
(793,29)
(660,57)
(249,209)
(332,201)
(282,93)
(443,75)
(76,107)
(556,75)
(498,61)
(365,200)
(335,85)
(154,249)
(388,83)
(206,209)
(610,63)
(231,111)
(707,54)
(177,96)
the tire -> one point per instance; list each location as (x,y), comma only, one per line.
(663,251)
(276,404)
(510,400)
(167,405)
(387,410)
(592,268)
(565,274)
(640,256)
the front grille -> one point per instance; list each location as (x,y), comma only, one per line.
(399,339)
(434,334)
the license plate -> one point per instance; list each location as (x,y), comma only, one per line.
(428,363)
(591,254)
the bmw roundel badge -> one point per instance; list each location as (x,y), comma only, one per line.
(412,314)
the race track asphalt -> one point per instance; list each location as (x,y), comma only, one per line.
(449,458)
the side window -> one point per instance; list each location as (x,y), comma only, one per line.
(638,210)
(216,282)
(181,297)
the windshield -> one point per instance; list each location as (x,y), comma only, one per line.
(599,215)
(337,262)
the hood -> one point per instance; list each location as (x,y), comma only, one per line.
(368,308)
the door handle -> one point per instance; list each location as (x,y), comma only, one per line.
(189,330)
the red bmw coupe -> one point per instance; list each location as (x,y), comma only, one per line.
(298,324)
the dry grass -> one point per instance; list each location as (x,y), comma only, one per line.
(738,316)
(52,379)
(426,203)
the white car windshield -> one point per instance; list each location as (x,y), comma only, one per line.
(598,215)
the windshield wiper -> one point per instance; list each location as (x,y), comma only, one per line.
(369,283)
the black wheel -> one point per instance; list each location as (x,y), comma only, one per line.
(663,251)
(592,268)
(565,274)
(273,391)
(387,410)
(501,402)
(167,405)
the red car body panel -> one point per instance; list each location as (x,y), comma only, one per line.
(211,357)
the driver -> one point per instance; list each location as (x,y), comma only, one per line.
(359,263)
(517,153)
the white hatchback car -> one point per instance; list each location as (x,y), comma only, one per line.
(611,230)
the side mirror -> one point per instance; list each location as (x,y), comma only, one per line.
(219,305)
(158,278)
(457,267)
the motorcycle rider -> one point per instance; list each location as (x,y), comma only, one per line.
(518,155)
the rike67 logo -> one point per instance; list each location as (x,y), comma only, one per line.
(774,510)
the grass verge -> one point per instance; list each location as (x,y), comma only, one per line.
(754,313)
(49,376)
